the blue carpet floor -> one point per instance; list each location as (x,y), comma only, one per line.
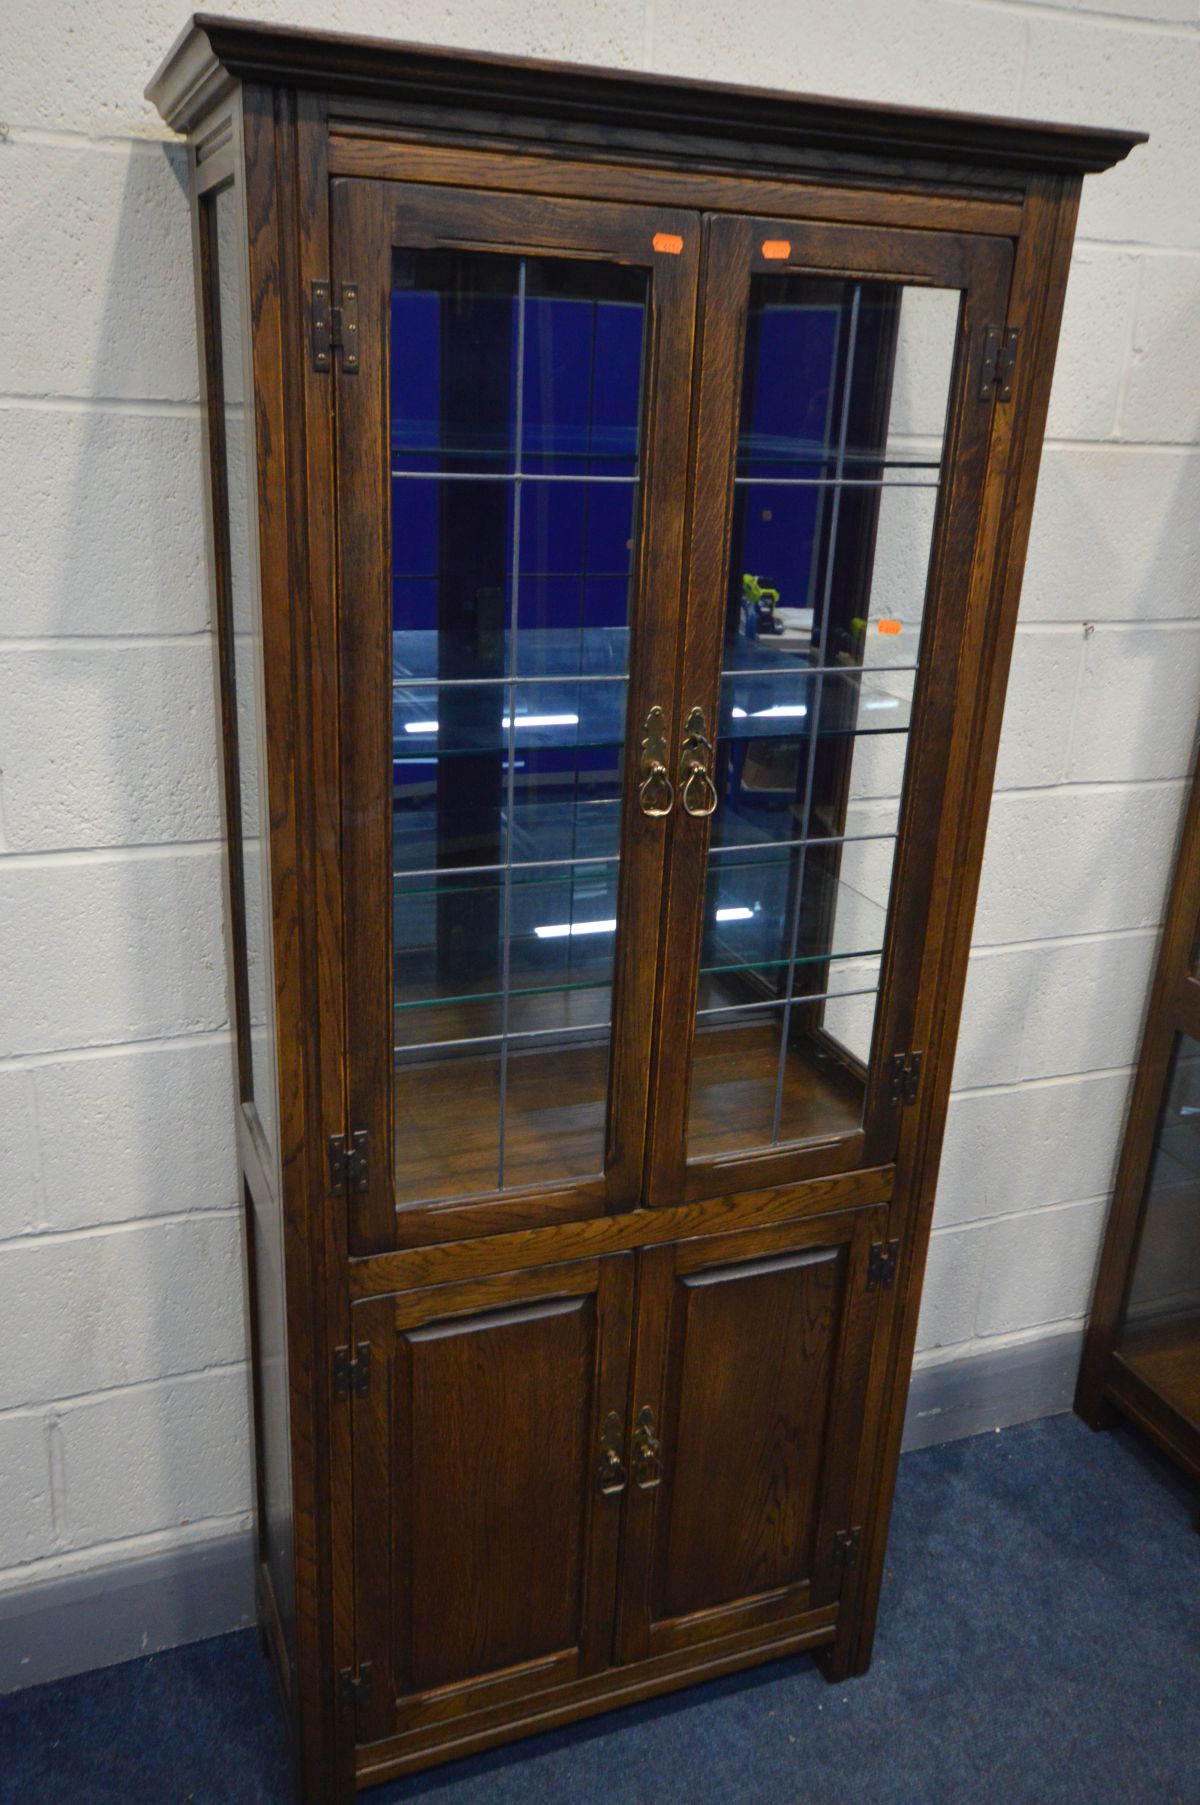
(1039,1644)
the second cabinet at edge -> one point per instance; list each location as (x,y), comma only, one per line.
(618,491)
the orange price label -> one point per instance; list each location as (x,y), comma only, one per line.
(888,626)
(776,249)
(670,242)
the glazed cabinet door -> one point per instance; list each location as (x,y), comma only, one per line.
(845,457)
(512,462)
(747,1415)
(489,1468)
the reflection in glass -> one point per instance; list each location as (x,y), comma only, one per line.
(515,442)
(844,399)
(1160,1337)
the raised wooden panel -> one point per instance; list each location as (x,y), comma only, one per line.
(498,1408)
(752,1356)
(485,1550)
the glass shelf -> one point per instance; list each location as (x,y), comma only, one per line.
(562,933)
(751,922)
(785,461)
(569,711)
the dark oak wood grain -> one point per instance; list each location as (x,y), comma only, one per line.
(212,50)
(749,1345)
(486,1556)
(525,1454)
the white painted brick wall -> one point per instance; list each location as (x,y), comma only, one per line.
(122,1413)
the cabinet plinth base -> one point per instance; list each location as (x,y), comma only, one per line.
(589,1697)
(607,1691)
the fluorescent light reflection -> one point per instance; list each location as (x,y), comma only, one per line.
(559,930)
(523,720)
(792,709)
(562,930)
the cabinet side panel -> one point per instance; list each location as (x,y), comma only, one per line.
(1035,303)
(279,195)
(228,388)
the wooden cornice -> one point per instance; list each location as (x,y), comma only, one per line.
(212,53)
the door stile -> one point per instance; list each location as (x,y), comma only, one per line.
(651,1332)
(980,268)
(370,218)
(718,379)
(654,658)
(614,1340)
(845,1434)
(361,253)
(380,1464)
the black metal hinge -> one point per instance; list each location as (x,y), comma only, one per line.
(904,1077)
(334,327)
(845,1546)
(999,363)
(881,1266)
(348,1163)
(355,1688)
(352,1371)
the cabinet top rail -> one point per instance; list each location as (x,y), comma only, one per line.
(213,52)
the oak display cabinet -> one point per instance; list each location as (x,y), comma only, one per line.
(618,495)
(1141,1358)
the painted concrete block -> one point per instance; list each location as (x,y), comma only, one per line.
(1096,330)
(1162,399)
(1014,1150)
(995,1008)
(94,76)
(1135,719)
(140,1133)
(1086,1005)
(1115,537)
(87,1313)
(1038,709)
(950,1299)
(26,1522)
(106,233)
(109,948)
(108,746)
(155,1458)
(1077,861)
(103,523)
(1039,1268)
(18,1154)
(1101,73)
(935,54)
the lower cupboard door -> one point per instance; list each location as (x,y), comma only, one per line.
(748,1404)
(488,1463)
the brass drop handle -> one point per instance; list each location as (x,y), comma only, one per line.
(647,1465)
(611,1476)
(655,794)
(697,792)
